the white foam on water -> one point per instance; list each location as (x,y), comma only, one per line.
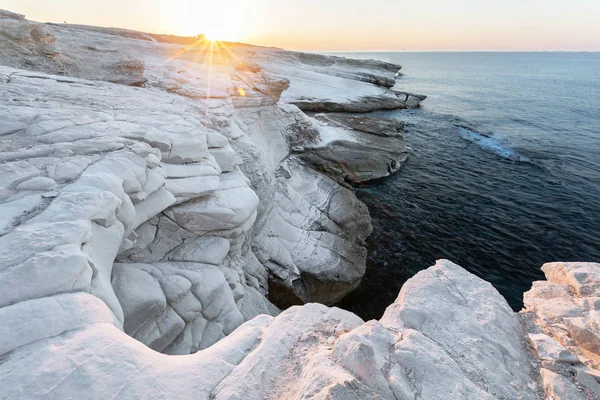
(491,144)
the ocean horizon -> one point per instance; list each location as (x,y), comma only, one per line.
(334,52)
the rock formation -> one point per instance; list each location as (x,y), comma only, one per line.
(563,320)
(159,199)
(449,335)
(356,149)
(180,203)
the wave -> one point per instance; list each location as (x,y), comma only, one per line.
(492,144)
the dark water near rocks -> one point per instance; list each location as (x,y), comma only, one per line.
(504,173)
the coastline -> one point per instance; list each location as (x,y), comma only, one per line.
(153,204)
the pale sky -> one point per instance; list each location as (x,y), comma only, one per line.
(346,24)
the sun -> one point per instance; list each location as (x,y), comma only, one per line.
(222,20)
(213,35)
(221,33)
(210,37)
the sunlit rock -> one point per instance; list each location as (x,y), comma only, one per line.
(561,313)
(171,217)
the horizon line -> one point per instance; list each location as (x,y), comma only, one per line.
(447,51)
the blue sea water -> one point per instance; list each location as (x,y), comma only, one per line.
(503,176)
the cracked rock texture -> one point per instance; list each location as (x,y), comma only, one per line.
(563,320)
(470,348)
(160,204)
(162,180)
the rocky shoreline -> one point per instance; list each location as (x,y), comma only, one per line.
(161,204)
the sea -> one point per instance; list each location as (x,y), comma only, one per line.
(503,174)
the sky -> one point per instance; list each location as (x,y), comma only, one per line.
(346,24)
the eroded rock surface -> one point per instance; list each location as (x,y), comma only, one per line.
(448,335)
(562,317)
(161,198)
(356,149)
(158,200)
(336,84)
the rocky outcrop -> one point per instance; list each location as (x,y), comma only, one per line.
(562,317)
(179,204)
(321,83)
(388,101)
(26,43)
(165,197)
(85,188)
(448,335)
(356,149)
(175,216)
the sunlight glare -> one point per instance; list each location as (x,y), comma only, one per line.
(221,33)
(216,20)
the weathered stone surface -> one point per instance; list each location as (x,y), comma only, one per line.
(162,217)
(558,387)
(37,183)
(320,83)
(583,278)
(170,306)
(549,349)
(588,381)
(356,149)
(308,352)
(318,221)
(565,309)
(154,176)
(463,300)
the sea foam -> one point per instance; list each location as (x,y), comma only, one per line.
(489,143)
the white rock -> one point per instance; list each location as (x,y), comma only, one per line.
(226,157)
(223,209)
(584,278)
(203,249)
(565,307)
(37,183)
(185,189)
(155,179)
(558,387)
(216,139)
(139,294)
(165,304)
(549,349)
(102,250)
(440,301)
(15,212)
(49,317)
(69,169)
(282,347)
(254,303)
(154,204)
(61,270)
(205,168)
(95,348)
(186,150)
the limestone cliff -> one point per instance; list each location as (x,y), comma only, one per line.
(175,182)
(159,199)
